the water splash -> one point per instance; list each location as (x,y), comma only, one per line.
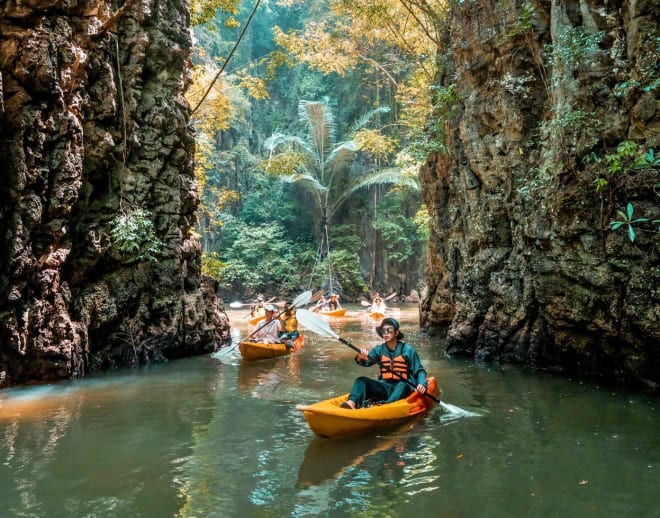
(456,412)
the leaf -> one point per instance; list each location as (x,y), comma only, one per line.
(616,224)
(629,210)
(631,233)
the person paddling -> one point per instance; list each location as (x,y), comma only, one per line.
(378,305)
(398,362)
(269,331)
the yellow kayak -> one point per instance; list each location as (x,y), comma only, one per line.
(327,419)
(251,351)
(340,312)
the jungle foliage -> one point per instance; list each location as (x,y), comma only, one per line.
(310,138)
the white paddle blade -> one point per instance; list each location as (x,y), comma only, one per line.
(302,299)
(315,323)
(236,305)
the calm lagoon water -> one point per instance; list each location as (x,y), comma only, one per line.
(200,437)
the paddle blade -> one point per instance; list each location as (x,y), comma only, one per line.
(302,299)
(315,323)
(316,296)
(236,305)
(365,303)
(390,296)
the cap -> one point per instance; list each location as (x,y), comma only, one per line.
(269,307)
(391,321)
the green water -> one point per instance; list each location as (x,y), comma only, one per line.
(200,437)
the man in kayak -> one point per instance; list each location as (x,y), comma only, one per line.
(256,305)
(269,330)
(289,324)
(378,305)
(333,303)
(321,304)
(400,369)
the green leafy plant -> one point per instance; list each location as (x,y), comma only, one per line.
(628,157)
(133,234)
(648,159)
(627,221)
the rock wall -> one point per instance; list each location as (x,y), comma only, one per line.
(524,266)
(95,126)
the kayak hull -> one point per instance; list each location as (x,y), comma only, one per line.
(376,315)
(252,351)
(327,419)
(340,312)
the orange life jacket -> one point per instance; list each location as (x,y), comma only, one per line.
(397,364)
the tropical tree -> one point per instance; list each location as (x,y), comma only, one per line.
(318,162)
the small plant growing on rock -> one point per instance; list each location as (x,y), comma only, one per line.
(626,220)
(133,234)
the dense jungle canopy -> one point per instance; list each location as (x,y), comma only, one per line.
(310,137)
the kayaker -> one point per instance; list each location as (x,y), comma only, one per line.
(269,330)
(333,303)
(321,304)
(257,305)
(398,362)
(290,325)
(378,305)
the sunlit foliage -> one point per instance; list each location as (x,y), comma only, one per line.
(201,11)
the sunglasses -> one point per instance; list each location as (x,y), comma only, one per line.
(387,330)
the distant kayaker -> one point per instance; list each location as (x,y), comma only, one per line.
(257,305)
(321,304)
(333,303)
(398,362)
(269,330)
(378,305)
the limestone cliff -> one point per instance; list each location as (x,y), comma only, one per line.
(94,129)
(556,102)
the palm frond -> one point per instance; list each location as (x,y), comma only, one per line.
(307,181)
(362,121)
(387,175)
(321,124)
(279,140)
(342,155)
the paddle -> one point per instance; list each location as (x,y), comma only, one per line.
(300,300)
(315,323)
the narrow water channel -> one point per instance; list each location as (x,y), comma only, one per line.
(200,437)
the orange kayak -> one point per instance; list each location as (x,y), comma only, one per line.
(328,419)
(377,315)
(340,312)
(251,351)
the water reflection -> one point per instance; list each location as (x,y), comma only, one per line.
(330,459)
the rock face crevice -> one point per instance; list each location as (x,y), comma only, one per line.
(523,264)
(95,126)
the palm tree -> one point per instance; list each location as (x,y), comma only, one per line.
(314,161)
